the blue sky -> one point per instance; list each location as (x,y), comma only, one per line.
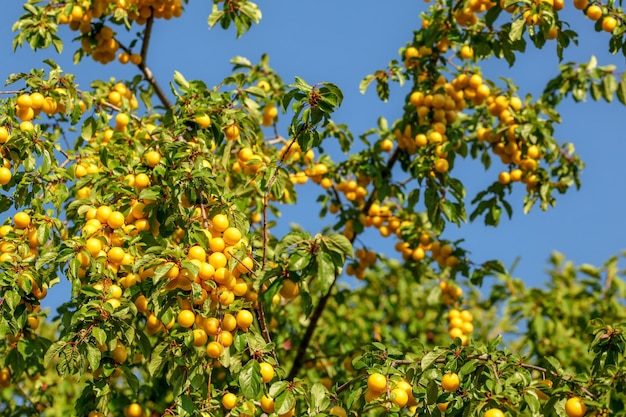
(341,42)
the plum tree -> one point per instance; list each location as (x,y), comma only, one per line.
(185,301)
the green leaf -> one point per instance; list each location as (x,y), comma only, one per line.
(340,244)
(325,271)
(302,85)
(180,80)
(288,240)
(319,398)
(432,392)
(365,83)
(161,271)
(449,210)
(277,388)
(88,129)
(57,43)
(131,378)
(12,299)
(609,86)
(250,380)
(93,356)
(596,91)
(215,16)
(251,10)
(157,358)
(299,260)
(430,359)
(457,187)
(99,335)
(517,29)
(555,365)
(621,91)
(187,404)
(52,352)
(284,402)
(532,402)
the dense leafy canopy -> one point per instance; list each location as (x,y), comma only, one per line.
(160,207)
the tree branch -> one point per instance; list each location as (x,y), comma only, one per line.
(147,74)
(299,361)
(306,339)
(260,312)
(147,34)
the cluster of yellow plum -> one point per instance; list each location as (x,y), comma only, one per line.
(436,108)
(460,324)
(221,270)
(439,106)
(399,392)
(311,170)
(382,218)
(468,16)
(248,161)
(270,112)
(5,168)
(596,11)
(364,259)
(119,94)
(508,144)
(11,237)
(99,40)
(441,253)
(29,105)
(19,246)
(293,153)
(105,233)
(450,292)
(352,190)
(139,11)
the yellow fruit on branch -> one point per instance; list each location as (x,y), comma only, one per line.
(290,289)
(575,407)
(232,132)
(493,412)
(609,23)
(267,372)
(377,382)
(229,400)
(450,382)
(399,397)
(594,12)
(203,120)
(466,52)
(133,410)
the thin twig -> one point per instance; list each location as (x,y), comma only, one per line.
(205,220)
(25,394)
(495,372)
(264,329)
(345,385)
